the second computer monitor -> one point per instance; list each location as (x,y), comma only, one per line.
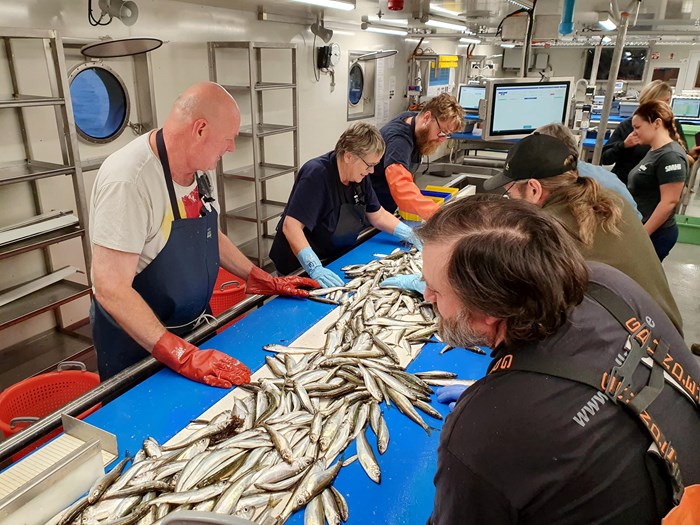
(686,107)
(516,107)
(469,97)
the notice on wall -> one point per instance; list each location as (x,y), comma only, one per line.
(382,106)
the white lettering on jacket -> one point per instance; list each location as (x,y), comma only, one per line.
(591,408)
(672,167)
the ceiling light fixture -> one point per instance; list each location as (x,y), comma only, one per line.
(384,20)
(345,5)
(442,10)
(522,3)
(606,21)
(508,46)
(434,22)
(468,40)
(384,30)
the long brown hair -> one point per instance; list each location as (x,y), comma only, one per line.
(591,205)
(511,261)
(656,109)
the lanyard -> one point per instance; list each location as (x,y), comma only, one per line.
(163,154)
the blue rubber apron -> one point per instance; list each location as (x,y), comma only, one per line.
(176,285)
(352,219)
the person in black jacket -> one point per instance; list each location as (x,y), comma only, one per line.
(529,447)
(623,148)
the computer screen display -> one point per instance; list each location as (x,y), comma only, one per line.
(469,97)
(518,108)
(686,107)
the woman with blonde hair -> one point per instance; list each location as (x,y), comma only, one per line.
(656,183)
(623,148)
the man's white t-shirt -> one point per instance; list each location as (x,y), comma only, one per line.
(129,208)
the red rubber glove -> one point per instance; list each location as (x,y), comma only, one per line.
(262,283)
(210,367)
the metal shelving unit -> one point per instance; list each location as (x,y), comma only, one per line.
(262,210)
(28,171)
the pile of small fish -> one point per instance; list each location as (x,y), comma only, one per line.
(282,444)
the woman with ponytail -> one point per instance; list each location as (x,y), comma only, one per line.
(656,183)
(623,148)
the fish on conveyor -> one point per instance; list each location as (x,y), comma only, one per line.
(282,444)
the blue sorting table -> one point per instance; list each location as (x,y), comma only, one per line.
(611,118)
(165,403)
(590,143)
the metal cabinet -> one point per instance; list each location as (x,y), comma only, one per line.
(264,122)
(41,351)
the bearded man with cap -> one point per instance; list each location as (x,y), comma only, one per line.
(541,170)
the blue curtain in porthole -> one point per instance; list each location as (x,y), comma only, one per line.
(99,103)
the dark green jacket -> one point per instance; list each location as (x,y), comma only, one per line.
(631,252)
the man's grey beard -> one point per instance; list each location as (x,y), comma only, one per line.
(458,332)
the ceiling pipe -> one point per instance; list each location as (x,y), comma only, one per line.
(615,11)
(566,27)
(612,78)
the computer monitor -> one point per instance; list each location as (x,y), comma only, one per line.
(619,86)
(516,107)
(686,107)
(469,97)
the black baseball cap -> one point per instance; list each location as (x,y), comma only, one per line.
(536,156)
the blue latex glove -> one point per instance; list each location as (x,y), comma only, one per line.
(450,394)
(311,263)
(406,233)
(412,282)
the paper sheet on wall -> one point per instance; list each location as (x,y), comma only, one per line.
(385,111)
(381,94)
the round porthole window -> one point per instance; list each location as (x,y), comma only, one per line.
(100,102)
(356,84)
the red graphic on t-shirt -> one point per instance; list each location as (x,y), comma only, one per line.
(193,204)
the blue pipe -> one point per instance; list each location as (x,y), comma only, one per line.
(567,18)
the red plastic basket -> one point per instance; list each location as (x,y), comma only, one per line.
(41,395)
(229,290)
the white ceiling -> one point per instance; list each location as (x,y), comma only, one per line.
(485,15)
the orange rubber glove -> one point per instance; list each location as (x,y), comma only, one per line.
(210,367)
(262,283)
(406,194)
